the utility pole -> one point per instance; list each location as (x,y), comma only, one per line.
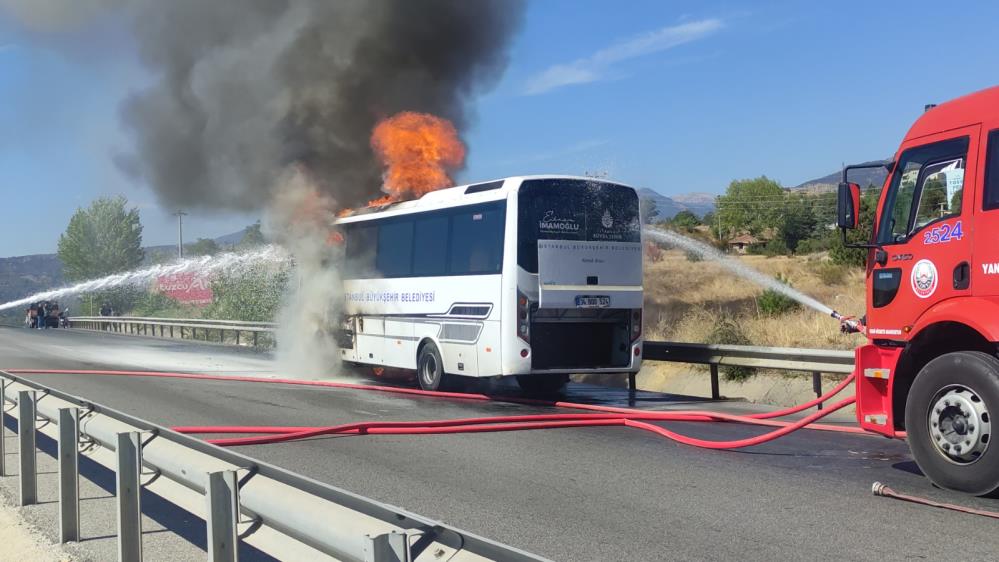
(180,233)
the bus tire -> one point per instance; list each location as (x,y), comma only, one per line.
(430,368)
(948,423)
(542,385)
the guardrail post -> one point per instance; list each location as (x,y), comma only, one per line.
(26,446)
(817,386)
(255,338)
(69,474)
(222,496)
(237,337)
(171,331)
(3,404)
(127,487)
(390,547)
(715,391)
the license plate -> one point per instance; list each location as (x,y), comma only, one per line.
(592,302)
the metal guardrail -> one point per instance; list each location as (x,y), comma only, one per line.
(184,327)
(815,361)
(281,513)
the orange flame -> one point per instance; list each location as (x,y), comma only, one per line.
(385,200)
(419,151)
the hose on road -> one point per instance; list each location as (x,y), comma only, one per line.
(880,489)
(605,416)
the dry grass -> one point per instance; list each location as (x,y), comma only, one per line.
(684,299)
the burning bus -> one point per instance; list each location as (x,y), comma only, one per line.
(535,277)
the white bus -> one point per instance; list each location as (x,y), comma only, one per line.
(536,277)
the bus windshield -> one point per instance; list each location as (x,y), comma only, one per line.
(564,209)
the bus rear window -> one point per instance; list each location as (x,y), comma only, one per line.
(573,210)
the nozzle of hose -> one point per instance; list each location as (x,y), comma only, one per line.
(847,323)
(879,489)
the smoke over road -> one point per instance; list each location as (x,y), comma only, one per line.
(269,105)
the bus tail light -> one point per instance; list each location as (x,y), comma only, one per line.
(523,317)
(636,324)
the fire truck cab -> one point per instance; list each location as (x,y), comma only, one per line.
(930,368)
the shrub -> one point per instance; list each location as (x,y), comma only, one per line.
(252,296)
(693,256)
(728,331)
(831,273)
(812,245)
(154,304)
(776,247)
(775,303)
(653,252)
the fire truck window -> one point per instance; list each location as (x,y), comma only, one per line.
(395,248)
(477,240)
(940,194)
(430,246)
(903,201)
(927,185)
(992,173)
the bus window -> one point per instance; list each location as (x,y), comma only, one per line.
(564,209)
(360,251)
(430,246)
(395,248)
(477,240)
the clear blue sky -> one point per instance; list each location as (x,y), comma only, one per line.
(677,96)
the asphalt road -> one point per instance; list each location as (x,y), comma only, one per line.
(568,494)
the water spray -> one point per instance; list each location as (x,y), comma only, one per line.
(740,269)
(229,261)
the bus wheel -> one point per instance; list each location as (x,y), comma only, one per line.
(542,385)
(430,368)
(949,425)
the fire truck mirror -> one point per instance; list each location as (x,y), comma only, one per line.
(848,205)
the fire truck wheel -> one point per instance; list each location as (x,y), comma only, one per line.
(430,368)
(542,385)
(947,418)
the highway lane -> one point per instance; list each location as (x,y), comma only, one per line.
(569,494)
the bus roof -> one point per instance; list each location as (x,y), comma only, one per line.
(959,112)
(453,196)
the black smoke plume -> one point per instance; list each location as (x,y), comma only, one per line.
(245,90)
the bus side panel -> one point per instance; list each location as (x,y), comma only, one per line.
(488,348)
(369,343)
(399,347)
(460,358)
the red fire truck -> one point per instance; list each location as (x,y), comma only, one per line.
(930,367)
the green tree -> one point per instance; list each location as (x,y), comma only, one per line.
(252,237)
(203,247)
(753,205)
(797,223)
(856,256)
(101,239)
(685,220)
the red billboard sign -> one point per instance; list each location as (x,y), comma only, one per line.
(188,288)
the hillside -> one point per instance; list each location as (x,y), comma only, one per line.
(668,207)
(869,176)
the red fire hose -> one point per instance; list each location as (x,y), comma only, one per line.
(607,416)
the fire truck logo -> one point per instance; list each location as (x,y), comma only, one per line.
(924,279)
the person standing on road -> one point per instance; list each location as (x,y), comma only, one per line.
(105,311)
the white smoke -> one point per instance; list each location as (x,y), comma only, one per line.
(299,219)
